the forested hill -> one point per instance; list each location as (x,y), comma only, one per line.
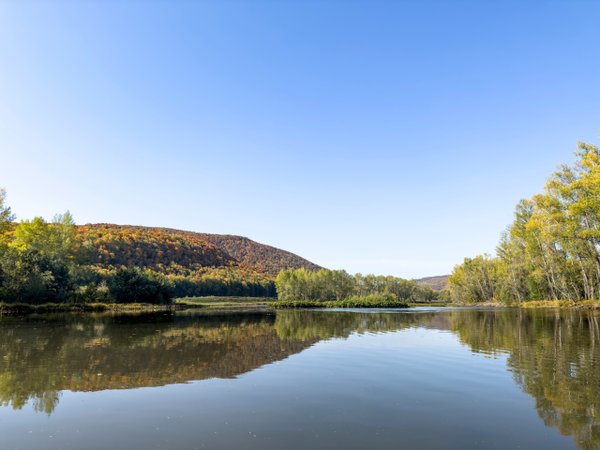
(156,248)
(437,283)
(269,259)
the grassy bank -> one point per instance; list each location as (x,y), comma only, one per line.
(370,301)
(222,302)
(411,304)
(586,304)
(533,304)
(25,308)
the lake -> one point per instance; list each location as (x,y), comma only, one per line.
(424,378)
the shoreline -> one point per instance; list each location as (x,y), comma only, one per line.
(215,303)
(590,305)
(21,309)
(337,304)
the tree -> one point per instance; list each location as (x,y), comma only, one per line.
(552,248)
(326,285)
(138,286)
(55,240)
(36,265)
(475,280)
(31,277)
(6,215)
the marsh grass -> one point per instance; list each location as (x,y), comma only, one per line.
(222,302)
(369,301)
(25,308)
(585,304)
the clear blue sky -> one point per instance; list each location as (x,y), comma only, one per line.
(380,137)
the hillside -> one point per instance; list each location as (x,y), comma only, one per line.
(163,248)
(437,283)
(269,259)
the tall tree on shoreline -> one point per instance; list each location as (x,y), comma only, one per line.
(6,215)
(552,249)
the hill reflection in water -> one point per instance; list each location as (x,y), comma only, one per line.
(554,355)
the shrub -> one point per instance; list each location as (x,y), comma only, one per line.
(138,286)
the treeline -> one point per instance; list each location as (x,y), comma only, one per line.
(58,262)
(325,285)
(552,249)
(264,258)
(159,248)
(44,262)
(155,248)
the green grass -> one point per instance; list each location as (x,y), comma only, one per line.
(369,301)
(222,302)
(429,304)
(585,304)
(533,304)
(336,304)
(372,301)
(26,308)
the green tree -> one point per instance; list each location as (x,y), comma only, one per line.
(138,286)
(551,250)
(6,215)
(31,277)
(327,285)
(55,240)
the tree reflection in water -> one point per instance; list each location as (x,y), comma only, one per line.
(554,355)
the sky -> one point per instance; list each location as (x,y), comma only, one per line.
(377,137)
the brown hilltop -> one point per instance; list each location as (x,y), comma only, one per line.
(437,283)
(248,252)
(158,247)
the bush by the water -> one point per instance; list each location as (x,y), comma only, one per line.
(143,287)
(355,301)
(325,285)
(26,308)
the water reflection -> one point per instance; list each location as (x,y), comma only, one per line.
(86,353)
(554,356)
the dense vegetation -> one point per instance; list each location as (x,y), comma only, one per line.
(552,249)
(59,262)
(264,258)
(43,262)
(355,301)
(437,283)
(303,287)
(176,250)
(196,264)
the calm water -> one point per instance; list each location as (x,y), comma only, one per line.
(418,379)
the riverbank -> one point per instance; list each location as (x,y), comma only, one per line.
(586,304)
(261,303)
(338,304)
(536,304)
(25,308)
(223,302)
(371,301)
(265,303)
(208,303)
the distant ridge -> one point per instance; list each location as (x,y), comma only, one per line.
(156,247)
(248,252)
(437,283)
